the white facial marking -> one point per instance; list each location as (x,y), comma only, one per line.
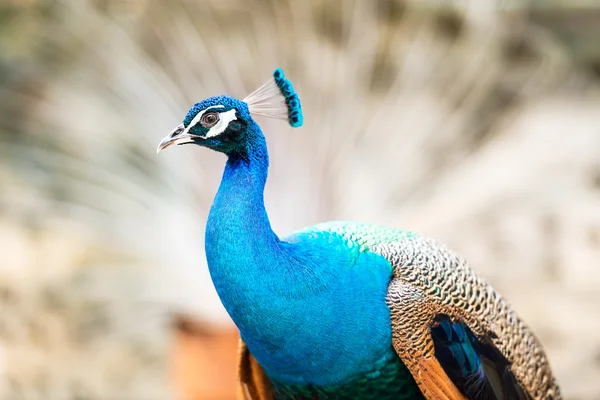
(197,118)
(183,140)
(224,119)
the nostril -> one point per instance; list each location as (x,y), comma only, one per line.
(176,131)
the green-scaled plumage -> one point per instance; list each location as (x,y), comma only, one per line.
(389,379)
(366,236)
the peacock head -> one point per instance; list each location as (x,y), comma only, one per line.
(225,124)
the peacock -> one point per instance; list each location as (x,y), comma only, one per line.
(347,310)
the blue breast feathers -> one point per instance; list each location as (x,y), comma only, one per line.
(313,314)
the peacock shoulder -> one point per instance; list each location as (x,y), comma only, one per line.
(366,236)
(432,280)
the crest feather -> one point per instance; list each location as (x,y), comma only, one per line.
(276,98)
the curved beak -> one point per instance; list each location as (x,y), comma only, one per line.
(176,136)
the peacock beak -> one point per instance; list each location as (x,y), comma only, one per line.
(176,136)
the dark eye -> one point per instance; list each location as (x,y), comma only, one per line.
(209,119)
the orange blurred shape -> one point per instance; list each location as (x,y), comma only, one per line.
(204,364)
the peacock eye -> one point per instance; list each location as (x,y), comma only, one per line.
(209,119)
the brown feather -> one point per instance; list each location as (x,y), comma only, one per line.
(253,384)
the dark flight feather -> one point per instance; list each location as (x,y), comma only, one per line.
(476,367)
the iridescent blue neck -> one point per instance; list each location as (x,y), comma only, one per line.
(243,252)
(239,238)
(238,219)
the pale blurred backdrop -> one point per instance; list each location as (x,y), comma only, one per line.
(475,122)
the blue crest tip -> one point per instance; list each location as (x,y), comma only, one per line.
(292,100)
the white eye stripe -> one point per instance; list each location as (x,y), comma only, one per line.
(198,116)
(224,119)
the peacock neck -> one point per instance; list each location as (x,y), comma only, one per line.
(243,252)
(238,217)
(239,237)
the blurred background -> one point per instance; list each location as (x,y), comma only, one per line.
(474,122)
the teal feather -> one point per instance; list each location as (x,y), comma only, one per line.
(292,100)
(390,380)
